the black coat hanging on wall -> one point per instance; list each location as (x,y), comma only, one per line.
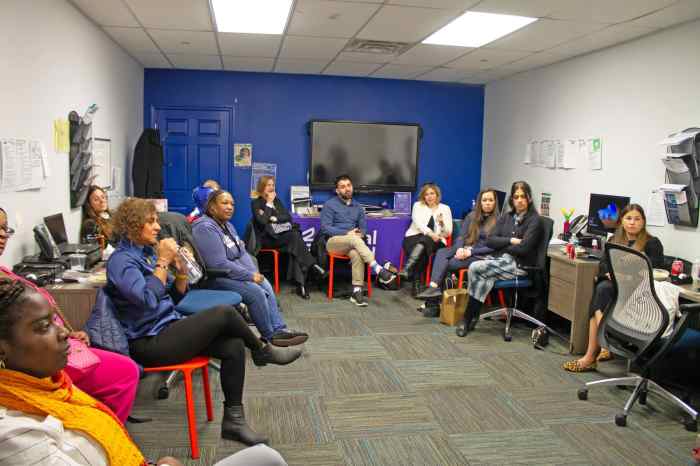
(147,170)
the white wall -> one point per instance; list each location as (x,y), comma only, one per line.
(631,95)
(54,60)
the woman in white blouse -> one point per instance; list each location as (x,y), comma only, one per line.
(430,227)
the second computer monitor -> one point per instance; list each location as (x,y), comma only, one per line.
(604,213)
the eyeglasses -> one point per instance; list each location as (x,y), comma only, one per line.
(7,231)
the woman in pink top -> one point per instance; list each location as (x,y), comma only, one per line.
(114,380)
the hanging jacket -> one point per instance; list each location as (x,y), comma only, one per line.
(147,169)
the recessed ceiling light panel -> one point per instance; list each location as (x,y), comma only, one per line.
(474,29)
(251,16)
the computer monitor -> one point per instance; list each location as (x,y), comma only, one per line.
(604,212)
(57,228)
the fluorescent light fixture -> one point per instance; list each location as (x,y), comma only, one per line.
(474,29)
(251,16)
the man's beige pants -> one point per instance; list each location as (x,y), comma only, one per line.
(354,247)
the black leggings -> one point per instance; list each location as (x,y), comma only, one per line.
(300,258)
(219,332)
(603,295)
(430,247)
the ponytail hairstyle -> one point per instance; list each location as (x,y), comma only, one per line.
(12,296)
(620,236)
(480,219)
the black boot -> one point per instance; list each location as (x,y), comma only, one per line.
(234,427)
(302,292)
(269,354)
(411,262)
(471,317)
(320,272)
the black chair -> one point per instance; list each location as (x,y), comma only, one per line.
(633,328)
(534,285)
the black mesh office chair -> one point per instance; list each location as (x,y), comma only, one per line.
(534,285)
(634,327)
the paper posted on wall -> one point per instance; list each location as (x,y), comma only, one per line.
(595,154)
(656,212)
(23,165)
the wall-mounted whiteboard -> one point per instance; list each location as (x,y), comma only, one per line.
(102,162)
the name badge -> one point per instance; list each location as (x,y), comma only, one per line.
(228,242)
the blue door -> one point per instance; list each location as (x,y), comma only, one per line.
(196,147)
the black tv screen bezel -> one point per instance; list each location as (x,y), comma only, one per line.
(365,188)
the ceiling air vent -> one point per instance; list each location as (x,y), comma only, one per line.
(376,46)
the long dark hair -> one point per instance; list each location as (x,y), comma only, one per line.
(480,219)
(620,236)
(525,187)
(104,226)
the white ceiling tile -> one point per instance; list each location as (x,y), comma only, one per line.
(152,60)
(606,11)
(600,39)
(189,42)
(544,34)
(400,71)
(443,74)
(311,47)
(107,12)
(195,62)
(173,14)
(406,24)
(249,45)
(531,8)
(485,58)
(440,4)
(299,66)
(429,54)
(535,60)
(362,57)
(685,10)
(134,40)
(327,18)
(351,68)
(248,63)
(488,76)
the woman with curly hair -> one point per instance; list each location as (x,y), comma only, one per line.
(144,294)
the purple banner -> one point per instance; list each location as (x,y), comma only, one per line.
(384,234)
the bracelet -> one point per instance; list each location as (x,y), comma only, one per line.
(181,277)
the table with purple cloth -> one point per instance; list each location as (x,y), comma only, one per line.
(384,234)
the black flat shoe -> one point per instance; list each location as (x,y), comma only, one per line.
(303,292)
(462,329)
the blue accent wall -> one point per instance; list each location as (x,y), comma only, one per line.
(272,110)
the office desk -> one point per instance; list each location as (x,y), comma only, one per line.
(77,299)
(570,290)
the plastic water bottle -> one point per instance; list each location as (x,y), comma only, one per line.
(696,274)
(194,271)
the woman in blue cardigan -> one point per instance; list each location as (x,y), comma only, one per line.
(220,247)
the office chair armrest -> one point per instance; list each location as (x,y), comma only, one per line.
(692,308)
(217,273)
(531,268)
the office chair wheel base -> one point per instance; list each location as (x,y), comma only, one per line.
(507,337)
(163,392)
(582,394)
(621,420)
(691,425)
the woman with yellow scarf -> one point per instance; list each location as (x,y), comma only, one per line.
(44,418)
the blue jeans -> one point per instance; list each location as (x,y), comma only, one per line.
(261,302)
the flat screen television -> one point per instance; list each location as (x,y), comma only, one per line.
(379,157)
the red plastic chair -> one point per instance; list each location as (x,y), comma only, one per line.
(198,362)
(331,265)
(428,267)
(276,258)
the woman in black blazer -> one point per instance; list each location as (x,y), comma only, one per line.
(274,229)
(631,232)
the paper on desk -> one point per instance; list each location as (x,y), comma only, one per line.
(656,211)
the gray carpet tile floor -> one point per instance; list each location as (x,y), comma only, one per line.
(382,385)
